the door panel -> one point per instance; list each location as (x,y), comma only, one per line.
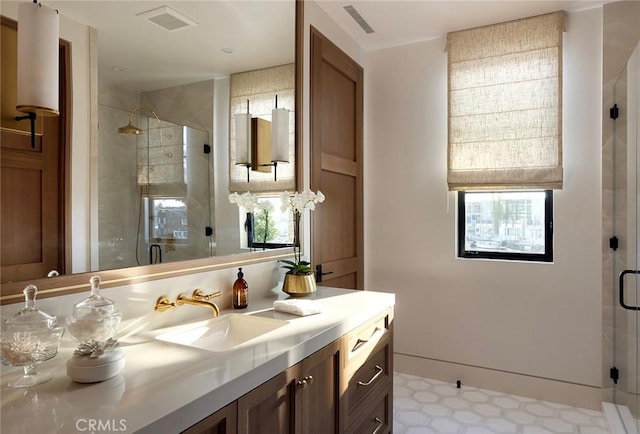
(336,164)
(32,189)
(271,407)
(320,398)
(29,200)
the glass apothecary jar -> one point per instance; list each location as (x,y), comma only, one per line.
(28,338)
(96,318)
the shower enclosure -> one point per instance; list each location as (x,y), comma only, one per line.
(622,312)
(154,195)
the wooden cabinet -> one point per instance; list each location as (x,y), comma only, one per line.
(320,396)
(270,407)
(222,421)
(303,399)
(346,387)
(367,377)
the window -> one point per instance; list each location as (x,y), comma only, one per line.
(513,225)
(269,227)
(169,216)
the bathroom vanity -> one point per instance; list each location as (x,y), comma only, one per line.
(328,372)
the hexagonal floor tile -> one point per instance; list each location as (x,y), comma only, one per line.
(424,406)
(412,418)
(445,425)
(466,417)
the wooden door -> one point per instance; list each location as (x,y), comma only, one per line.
(271,407)
(32,187)
(336,164)
(321,394)
(222,421)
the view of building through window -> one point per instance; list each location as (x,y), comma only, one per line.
(170,219)
(509,222)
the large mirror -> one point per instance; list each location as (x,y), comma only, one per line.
(173,84)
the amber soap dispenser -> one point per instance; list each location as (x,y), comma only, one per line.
(240,292)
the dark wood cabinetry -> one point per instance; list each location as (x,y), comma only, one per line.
(303,399)
(367,376)
(346,387)
(222,421)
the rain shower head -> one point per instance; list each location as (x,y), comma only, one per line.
(129,129)
(132,129)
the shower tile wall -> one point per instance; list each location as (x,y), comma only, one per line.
(117,169)
(620,35)
(190,105)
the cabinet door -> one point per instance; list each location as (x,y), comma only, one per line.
(222,421)
(271,407)
(320,390)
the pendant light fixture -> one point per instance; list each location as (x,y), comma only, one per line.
(38,54)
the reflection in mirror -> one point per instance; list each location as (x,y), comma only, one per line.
(154,195)
(257,93)
(128,54)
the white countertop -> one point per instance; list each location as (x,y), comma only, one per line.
(167,387)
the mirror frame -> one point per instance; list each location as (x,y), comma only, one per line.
(75,283)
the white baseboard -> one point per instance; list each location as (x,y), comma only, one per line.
(577,395)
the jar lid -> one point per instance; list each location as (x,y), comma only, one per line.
(29,318)
(95,304)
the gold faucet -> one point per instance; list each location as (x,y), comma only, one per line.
(198,298)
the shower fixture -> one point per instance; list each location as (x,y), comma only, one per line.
(132,129)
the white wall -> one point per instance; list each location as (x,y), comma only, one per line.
(533,319)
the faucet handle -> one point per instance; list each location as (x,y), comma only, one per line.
(198,294)
(163,304)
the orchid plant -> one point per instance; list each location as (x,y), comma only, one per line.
(246,200)
(298,203)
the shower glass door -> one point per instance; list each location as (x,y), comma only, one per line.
(626,312)
(632,308)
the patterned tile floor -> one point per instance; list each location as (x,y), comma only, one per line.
(422,406)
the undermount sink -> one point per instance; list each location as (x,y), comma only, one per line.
(223,333)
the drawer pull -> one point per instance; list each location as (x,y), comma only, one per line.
(360,342)
(380,425)
(374,378)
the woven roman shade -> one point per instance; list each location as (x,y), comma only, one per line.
(505,105)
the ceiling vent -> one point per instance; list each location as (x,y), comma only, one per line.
(358,19)
(167,18)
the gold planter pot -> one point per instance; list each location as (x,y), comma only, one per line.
(299,285)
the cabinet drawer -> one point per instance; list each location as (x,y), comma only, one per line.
(377,420)
(362,341)
(376,370)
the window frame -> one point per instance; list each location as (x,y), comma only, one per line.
(250,225)
(547,256)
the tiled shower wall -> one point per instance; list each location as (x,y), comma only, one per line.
(117,171)
(190,105)
(620,36)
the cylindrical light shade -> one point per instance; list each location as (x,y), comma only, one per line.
(243,138)
(280,135)
(38,32)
